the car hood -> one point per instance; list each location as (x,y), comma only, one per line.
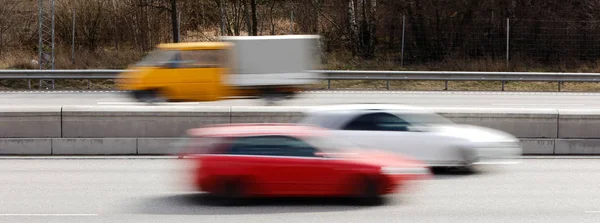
(471,133)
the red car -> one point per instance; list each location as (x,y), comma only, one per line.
(249,160)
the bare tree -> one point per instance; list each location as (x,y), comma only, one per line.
(8,19)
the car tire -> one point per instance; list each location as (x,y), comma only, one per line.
(368,193)
(231,192)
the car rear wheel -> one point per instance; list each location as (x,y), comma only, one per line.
(368,193)
(231,192)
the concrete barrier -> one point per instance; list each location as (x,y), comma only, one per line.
(30,122)
(579,123)
(169,146)
(522,123)
(25,146)
(94,146)
(538,146)
(138,121)
(577,147)
(152,130)
(158,146)
(255,114)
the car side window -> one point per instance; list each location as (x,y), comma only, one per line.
(379,121)
(271,146)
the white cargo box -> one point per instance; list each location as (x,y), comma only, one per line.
(274,60)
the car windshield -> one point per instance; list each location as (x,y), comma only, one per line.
(157,58)
(330,144)
(424,118)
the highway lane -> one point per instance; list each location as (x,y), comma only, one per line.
(152,190)
(423,98)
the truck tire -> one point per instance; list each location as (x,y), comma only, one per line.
(272,96)
(148,96)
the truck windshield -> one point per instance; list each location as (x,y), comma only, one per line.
(158,58)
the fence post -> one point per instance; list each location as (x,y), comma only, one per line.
(292,21)
(507,41)
(73,40)
(402,54)
(507,48)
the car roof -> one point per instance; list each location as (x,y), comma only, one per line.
(336,116)
(256,129)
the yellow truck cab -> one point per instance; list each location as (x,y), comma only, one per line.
(242,66)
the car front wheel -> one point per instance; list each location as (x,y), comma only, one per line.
(368,193)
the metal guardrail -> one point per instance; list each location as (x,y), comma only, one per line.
(343,75)
(60,74)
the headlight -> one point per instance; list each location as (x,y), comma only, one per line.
(401,170)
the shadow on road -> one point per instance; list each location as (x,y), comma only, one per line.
(202,204)
(453,173)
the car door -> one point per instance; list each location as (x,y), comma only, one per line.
(386,131)
(310,174)
(279,165)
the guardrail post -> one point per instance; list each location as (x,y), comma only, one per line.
(559,85)
(446,88)
(502,85)
(388,84)
(328,84)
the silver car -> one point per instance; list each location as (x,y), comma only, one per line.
(416,132)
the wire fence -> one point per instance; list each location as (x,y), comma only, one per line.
(408,42)
(512,41)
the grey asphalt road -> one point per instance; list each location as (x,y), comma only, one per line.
(424,98)
(154,190)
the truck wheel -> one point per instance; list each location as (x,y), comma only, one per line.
(272,96)
(148,96)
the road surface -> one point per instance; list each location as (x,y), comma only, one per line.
(419,98)
(152,190)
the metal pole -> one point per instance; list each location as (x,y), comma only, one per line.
(292,22)
(222,6)
(53,54)
(507,47)
(40,21)
(507,41)
(402,54)
(53,67)
(73,40)
(179,25)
